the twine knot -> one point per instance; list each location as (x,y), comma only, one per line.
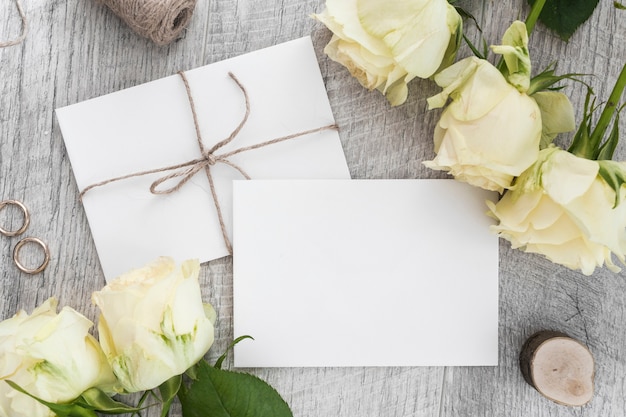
(211,159)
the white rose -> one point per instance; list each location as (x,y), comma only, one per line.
(562,208)
(492,129)
(153,324)
(490,132)
(385,44)
(52,356)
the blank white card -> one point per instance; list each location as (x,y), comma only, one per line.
(364,273)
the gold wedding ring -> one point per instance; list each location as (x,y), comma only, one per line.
(16,255)
(26,218)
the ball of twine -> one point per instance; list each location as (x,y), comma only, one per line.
(162,21)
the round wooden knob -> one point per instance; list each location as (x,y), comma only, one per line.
(559,367)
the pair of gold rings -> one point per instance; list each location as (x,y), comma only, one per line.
(24,241)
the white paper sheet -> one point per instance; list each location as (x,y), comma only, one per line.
(150,126)
(364,273)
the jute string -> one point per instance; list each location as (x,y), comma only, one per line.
(186,170)
(162,21)
(21,38)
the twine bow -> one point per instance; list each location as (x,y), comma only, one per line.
(187,170)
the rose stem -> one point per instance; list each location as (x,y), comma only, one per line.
(609,109)
(535,11)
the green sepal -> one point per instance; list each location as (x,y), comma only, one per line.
(220,360)
(581,145)
(168,391)
(514,51)
(587,142)
(557,115)
(615,177)
(192,372)
(143,398)
(97,400)
(478,54)
(608,148)
(61,410)
(464,13)
(610,109)
(546,79)
(485,47)
(221,393)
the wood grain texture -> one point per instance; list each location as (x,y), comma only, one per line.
(77,50)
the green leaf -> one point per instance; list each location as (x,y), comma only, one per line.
(220,393)
(565,16)
(619,5)
(61,410)
(615,176)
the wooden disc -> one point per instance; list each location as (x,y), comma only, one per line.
(559,367)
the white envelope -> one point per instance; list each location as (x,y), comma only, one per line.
(151,126)
(364,273)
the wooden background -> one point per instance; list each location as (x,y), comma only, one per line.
(77,50)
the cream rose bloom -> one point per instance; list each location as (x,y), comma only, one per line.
(562,208)
(492,129)
(52,356)
(153,324)
(490,132)
(385,44)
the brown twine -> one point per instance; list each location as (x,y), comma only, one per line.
(21,38)
(186,170)
(161,21)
